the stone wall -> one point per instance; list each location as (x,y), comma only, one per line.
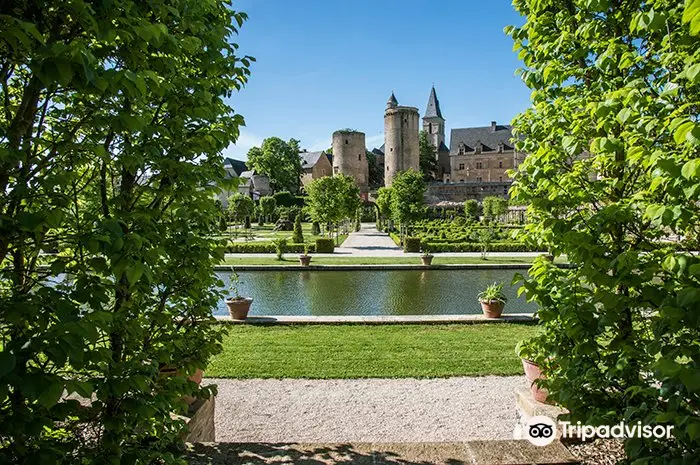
(320,169)
(350,158)
(401,150)
(459,192)
(485,167)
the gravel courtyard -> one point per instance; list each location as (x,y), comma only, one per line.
(366,410)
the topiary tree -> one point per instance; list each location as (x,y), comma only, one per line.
(267,207)
(297,235)
(114,116)
(471,210)
(613,173)
(384,204)
(408,189)
(332,199)
(240,207)
(494,207)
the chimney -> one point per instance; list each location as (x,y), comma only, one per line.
(493,126)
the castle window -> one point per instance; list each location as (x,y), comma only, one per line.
(500,178)
(387,168)
(478,179)
(500,164)
(359,156)
(479,165)
(461,180)
(461,166)
(346,141)
(430,128)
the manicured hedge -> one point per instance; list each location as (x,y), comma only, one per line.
(411,244)
(266,247)
(477,247)
(325,245)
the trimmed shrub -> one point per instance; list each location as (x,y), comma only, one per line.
(325,245)
(411,244)
(478,247)
(297,236)
(266,247)
(315,228)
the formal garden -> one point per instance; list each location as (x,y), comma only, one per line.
(114,118)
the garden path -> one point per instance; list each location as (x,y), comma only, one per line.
(368,242)
(366,410)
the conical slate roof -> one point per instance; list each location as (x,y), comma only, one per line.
(392,102)
(433,109)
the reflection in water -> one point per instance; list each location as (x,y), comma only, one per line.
(372,292)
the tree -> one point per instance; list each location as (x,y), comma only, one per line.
(375,173)
(267,207)
(613,169)
(240,207)
(332,199)
(408,189)
(494,207)
(427,157)
(113,119)
(298,235)
(471,210)
(384,203)
(279,161)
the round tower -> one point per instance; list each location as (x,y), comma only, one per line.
(349,156)
(401,152)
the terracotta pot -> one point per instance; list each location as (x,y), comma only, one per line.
(170,370)
(239,308)
(532,373)
(427,260)
(304,260)
(492,309)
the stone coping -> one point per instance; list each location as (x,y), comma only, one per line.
(383,267)
(503,452)
(378,319)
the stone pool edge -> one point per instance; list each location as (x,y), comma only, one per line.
(524,318)
(472,266)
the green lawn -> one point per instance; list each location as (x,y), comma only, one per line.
(291,259)
(370,351)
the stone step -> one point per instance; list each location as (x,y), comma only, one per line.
(508,452)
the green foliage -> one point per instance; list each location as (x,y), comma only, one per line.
(411,244)
(332,199)
(494,207)
(279,161)
(614,146)
(407,190)
(384,203)
(240,206)
(375,175)
(358,220)
(267,207)
(280,246)
(324,245)
(478,247)
(114,115)
(298,235)
(287,199)
(471,210)
(493,293)
(427,153)
(315,228)
(246,223)
(263,247)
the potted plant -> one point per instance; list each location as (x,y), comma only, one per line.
(492,300)
(527,352)
(426,258)
(305,258)
(238,307)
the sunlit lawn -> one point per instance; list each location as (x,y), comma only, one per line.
(370,351)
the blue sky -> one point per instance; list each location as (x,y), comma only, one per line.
(328,65)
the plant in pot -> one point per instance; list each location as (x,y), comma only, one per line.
(528,353)
(426,258)
(238,306)
(305,258)
(492,300)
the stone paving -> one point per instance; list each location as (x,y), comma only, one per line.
(368,242)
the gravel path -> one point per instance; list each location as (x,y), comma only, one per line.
(366,410)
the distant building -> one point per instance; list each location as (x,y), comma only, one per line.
(234,169)
(434,126)
(254,185)
(314,165)
(350,156)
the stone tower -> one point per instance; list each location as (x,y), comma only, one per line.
(434,125)
(350,157)
(400,139)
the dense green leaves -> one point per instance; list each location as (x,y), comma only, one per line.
(332,199)
(612,182)
(113,116)
(279,161)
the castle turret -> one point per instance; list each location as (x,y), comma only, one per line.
(400,139)
(349,156)
(434,126)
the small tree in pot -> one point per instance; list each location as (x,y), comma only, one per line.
(238,306)
(305,258)
(426,258)
(492,300)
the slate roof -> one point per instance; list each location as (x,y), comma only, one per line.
(237,165)
(309,159)
(433,108)
(486,135)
